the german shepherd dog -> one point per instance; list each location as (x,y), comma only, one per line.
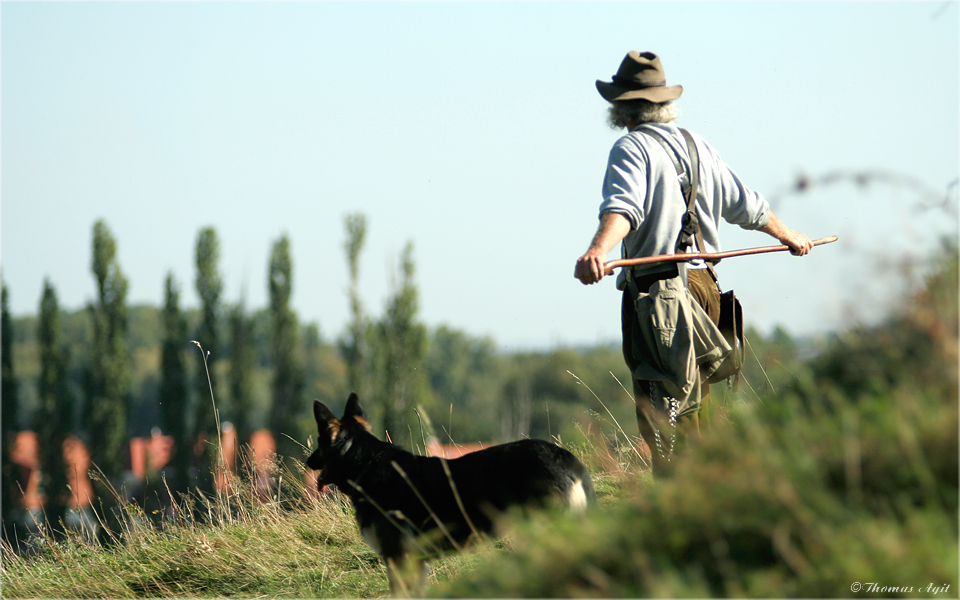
(409,507)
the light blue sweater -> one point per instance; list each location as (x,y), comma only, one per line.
(641,183)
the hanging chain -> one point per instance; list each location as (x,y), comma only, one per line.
(674,408)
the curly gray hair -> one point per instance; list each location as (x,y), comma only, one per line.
(630,113)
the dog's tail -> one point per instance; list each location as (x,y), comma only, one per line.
(580,494)
(588,491)
(573,480)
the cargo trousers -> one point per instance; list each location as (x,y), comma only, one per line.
(653,422)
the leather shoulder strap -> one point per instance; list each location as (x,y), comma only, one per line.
(694,174)
(692,198)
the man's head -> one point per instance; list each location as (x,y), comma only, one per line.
(639,92)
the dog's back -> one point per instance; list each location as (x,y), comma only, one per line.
(527,472)
(472,491)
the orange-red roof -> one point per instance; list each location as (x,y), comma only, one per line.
(435,448)
(154,453)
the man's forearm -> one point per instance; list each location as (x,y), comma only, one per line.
(613,228)
(774,227)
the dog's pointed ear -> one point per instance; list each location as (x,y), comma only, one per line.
(322,414)
(353,408)
(327,425)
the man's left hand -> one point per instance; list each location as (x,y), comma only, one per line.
(798,242)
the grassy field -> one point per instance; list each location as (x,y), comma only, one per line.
(842,478)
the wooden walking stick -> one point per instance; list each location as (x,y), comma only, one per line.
(713,256)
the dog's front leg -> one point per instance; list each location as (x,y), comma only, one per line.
(407,575)
(391,542)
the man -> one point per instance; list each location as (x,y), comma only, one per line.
(669,341)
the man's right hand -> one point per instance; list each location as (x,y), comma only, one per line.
(589,267)
(613,228)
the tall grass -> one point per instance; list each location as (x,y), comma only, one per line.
(238,544)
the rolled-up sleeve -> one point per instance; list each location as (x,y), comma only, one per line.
(625,184)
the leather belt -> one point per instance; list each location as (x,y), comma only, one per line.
(643,282)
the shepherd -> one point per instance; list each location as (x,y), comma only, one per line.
(664,192)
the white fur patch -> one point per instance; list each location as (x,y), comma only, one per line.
(370,537)
(577,497)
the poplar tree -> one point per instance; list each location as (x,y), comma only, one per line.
(288,369)
(109,380)
(9,418)
(241,370)
(401,347)
(354,347)
(173,384)
(54,419)
(209,287)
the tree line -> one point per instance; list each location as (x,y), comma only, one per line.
(111,371)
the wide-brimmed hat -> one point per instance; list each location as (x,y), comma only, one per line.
(640,76)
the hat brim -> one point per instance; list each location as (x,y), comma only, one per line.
(612,92)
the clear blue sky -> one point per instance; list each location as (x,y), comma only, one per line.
(472,129)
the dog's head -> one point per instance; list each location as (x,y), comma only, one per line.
(336,436)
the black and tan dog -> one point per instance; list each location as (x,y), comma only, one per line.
(410,507)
